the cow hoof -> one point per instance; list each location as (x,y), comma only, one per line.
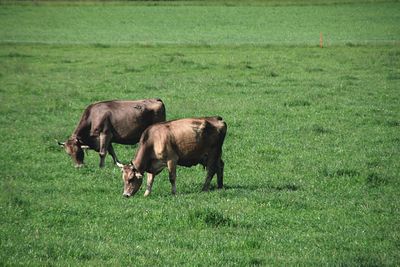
(147,193)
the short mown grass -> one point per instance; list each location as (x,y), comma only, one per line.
(311,154)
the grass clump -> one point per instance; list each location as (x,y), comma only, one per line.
(210,218)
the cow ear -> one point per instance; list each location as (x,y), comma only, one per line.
(61,144)
(81,144)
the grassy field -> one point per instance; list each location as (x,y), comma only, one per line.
(312,154)
(205,25)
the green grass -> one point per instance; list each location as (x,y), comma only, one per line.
(311,155)
(216,24)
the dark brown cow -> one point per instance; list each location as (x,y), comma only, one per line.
(117,121)
(184,142)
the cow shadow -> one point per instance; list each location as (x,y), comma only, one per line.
(264,187)
(240,188)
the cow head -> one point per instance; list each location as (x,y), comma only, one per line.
(132,179)
(74,148)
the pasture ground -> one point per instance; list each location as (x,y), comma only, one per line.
(311,155)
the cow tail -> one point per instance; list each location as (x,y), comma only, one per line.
(160,114)
(221,138)
(220,163)
(222,134)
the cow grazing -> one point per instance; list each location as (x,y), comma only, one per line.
(117,121)
(184,142)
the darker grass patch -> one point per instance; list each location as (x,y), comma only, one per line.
(373,164)
(393,76)
(396,140)
(174,54)
(211,218)
(179,59)
(350,44)
(340,173)
(254,244)
(256,262)
(316,69)
(171,58)
(187,62)
(229,66)
(368,261)
(297,103)
(245,187)
(69,61)
(375,180)
(318,129)
(347,172)
(287,187)
(273,74)
(17,201)
(365,261)
(194,65)
(247,65)
(132,69)
(101,45)
(17,55)
(393,123)
(270,91)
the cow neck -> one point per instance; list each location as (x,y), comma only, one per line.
(138,166)
(81,130)
(82,134)
(140,162)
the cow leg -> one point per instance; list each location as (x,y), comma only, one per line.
(104,143)
(150,180)
(220,174)
(211,170)
(208,181)
(172,175)
(112,153)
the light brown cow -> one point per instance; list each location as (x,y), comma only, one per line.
(184,142)
(117,121)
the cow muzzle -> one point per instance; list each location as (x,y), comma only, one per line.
(132,187)
(126,195)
